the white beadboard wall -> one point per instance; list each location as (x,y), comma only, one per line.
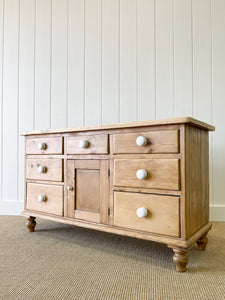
(84,62)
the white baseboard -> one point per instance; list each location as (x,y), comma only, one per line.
(216,212)
(13,208)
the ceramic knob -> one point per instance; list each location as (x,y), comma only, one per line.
(42,198)
(84,143)
(141,141)
(141,174)
(69,188)
(41,169)
(42,146)
(142,212)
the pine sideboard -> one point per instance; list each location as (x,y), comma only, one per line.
(148,180)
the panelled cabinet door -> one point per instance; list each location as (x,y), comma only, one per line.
(87,190)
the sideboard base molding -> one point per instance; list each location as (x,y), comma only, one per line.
(170,241)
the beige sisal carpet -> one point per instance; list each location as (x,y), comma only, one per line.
(64,262)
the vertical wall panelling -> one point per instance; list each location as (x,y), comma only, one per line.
(1,82)
(26,80)
(59,64)
(42,64)
(202,60)
(146,59)
(110,61)
(93,36)
(164,59)
(128,60)
(218,75)
(183,57)
(75,63)
(85,62)
(202,66)
(10,100)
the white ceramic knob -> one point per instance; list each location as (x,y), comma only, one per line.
(141,141)
(142,212)
(42,198)
(41,169)
(42,146)
(69,188)
(84,143)
(141,174)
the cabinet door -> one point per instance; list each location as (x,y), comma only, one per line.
(88,184)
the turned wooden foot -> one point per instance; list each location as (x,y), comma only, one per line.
(31,223)
(180,259)
(202,242)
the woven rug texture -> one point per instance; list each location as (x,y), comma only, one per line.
(61,261)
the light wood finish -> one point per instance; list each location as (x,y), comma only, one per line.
(87,190)
(86,164)
(88,216)
(170,241)
(54,198)
(105,130)
(182,180)
(99,188)
(53,172)
(202,242)
(90,156)
(163,213)
(69,195)
(54,145)
(204,230)
(44,182)
(119,156)
(88,198)
(185,120)
(111,193)
(97,144)
(162,173)
(180,259)
(148,191)
(157,142)
(31,223)
(196,179)
(104,190)
(147,156)
(44,156)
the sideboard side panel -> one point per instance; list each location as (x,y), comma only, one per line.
(197,179)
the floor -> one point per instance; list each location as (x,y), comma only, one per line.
(65,262)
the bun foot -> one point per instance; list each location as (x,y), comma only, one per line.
(180,259)
(202,242)
(31,223)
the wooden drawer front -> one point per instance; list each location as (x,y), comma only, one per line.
(161,173)
(51,145)
(157,142)
(162,217)
(53,169)
(53,203)
(97,144)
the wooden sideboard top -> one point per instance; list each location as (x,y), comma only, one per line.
(170,121)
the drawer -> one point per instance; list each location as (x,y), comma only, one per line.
(166,141)
(87,144)
(44,145)
(44,169)
(45,198)
(162,212)
(161,173)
